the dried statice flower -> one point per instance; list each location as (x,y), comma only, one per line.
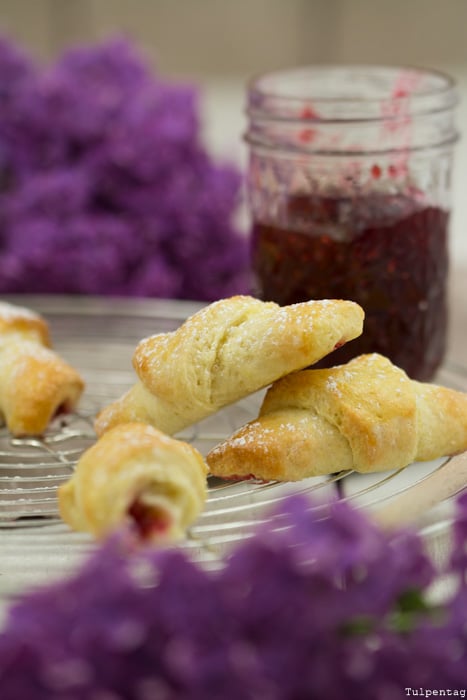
(105,185)
(319,603)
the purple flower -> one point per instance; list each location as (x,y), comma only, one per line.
(50,253)
(105,183)
(319,603)
(57,195)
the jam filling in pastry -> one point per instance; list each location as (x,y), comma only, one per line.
(136,475)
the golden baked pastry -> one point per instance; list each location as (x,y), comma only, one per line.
(135,474)
(226,351)
(366,415)
(35,382)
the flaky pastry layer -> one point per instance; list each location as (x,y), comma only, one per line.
(366,415)
(135,474)
(35,382)
(226,351)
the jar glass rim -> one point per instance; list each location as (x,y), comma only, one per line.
(297,85)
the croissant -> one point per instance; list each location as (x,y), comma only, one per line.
(35,382)
(226,351)
(136,474)
(366,415)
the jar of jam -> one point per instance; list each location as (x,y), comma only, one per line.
(349,182)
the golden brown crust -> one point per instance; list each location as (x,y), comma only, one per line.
(35,382)
(366,415)
(226,351)
(135,463)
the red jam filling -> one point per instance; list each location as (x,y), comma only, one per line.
(62,409)
(149,522)
(246,477)
(386,252)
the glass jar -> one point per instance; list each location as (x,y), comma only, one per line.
(349,183)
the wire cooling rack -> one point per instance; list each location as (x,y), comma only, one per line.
(98,337)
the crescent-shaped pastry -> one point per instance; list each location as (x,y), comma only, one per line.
(366,415)
(35,382)
(226,351)
(135,474)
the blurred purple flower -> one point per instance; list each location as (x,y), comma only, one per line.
(99,146)
(317,604)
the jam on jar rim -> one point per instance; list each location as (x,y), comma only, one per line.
(274,102)
(351,110)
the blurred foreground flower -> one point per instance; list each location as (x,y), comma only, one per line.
(105,186)
(322,608)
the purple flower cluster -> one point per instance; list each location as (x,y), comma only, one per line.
(320,607)
(105,186)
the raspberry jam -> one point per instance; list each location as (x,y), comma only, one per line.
(148,522)
(386,252)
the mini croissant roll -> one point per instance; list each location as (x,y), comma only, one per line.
(226,351)
(366,415)
(35,382)
(135,474)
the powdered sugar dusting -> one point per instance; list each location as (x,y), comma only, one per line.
(150,348)
(332,385)
(10,312)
